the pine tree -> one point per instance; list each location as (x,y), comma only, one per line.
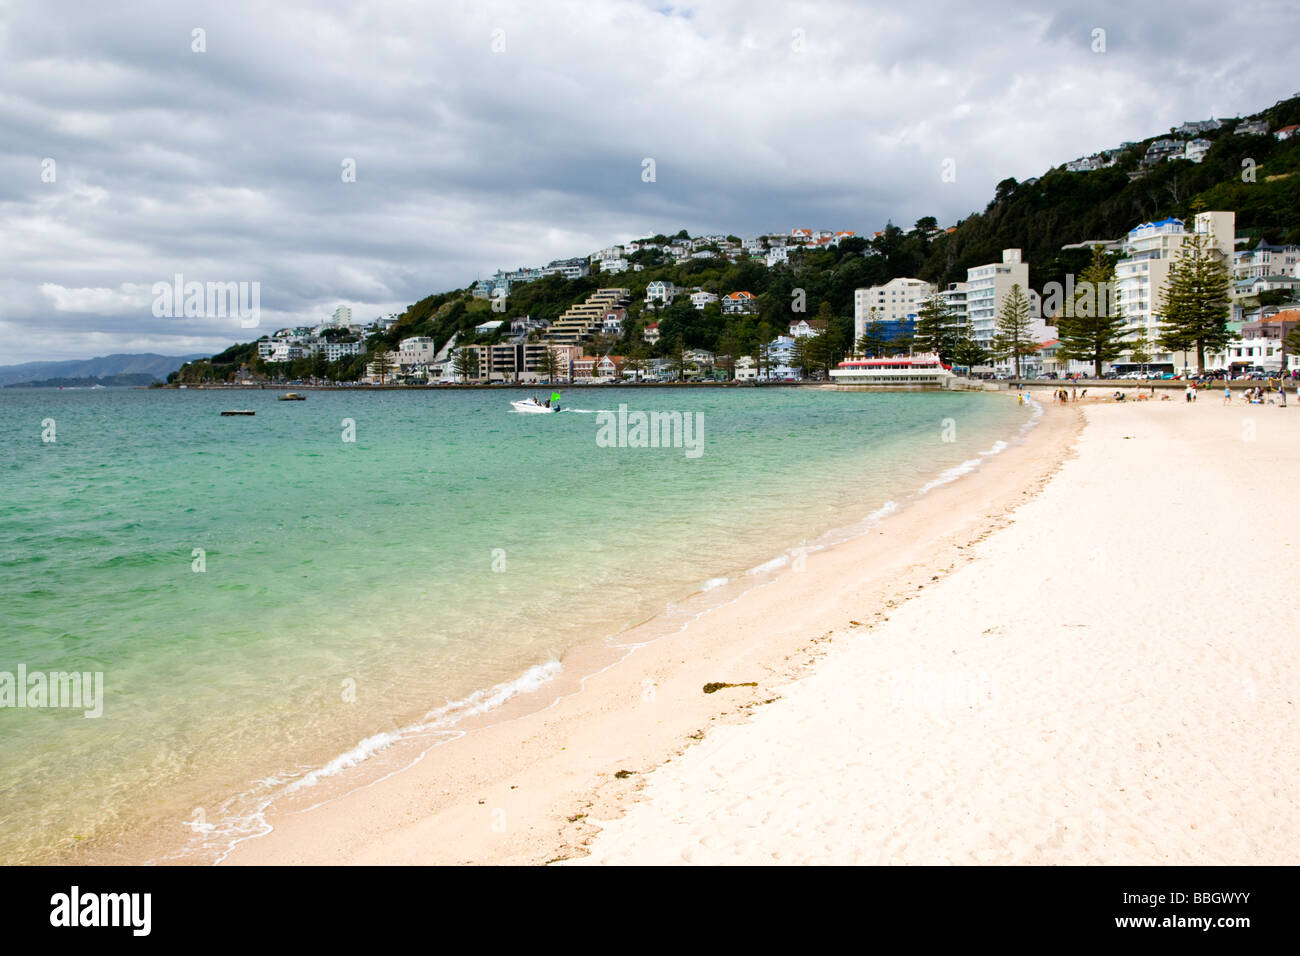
(1012,338)
(1194,306)
(826,348)
(465,364)
(382,365)
(547,364)
(936,328)
(801,355)
(1290,345)
(1094,332)
(678,363)
(969,353)
(872,341)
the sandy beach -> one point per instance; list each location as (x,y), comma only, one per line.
(1079,653)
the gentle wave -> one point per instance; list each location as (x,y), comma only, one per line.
(236,826)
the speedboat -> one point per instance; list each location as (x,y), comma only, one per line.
(533,407)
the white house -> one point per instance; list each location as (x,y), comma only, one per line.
(417,350)
(807,328)
(701,298)
(746,369)
(651,333)
(337,350)
(737,302)
(1196,149)
(613,265)
(660,291)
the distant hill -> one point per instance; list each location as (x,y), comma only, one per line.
(1047,217)
(135,380)
(157,367)
(1257,177)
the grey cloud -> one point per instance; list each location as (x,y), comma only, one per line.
(225,165)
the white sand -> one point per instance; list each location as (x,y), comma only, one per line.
(1112,680)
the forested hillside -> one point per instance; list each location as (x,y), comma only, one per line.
(1258,177)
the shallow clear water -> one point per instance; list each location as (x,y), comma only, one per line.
(348,587)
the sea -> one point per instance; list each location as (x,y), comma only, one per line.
(265,601)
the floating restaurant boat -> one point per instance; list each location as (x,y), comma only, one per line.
(925,370)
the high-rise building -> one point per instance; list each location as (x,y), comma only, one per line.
(343,315)
(895,304)
(1142,274)
(987,288)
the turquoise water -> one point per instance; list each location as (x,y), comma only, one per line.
(349,587)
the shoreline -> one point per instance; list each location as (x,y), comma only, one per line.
(1072,696)
(390,747)
(514,785)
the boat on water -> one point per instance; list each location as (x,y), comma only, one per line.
(532,406)
(293,397)
(239,411)
(925,370)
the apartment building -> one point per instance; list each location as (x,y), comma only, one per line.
(987,288)
(1142,274)
(519,361)
(895,303)
(580,321)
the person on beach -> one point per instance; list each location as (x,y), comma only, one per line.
(1227,395)
(1074,393)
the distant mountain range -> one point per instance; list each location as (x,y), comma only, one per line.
(156,366)
(137,380)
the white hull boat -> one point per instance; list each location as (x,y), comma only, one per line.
(531,407)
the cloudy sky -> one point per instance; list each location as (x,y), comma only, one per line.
(499,134)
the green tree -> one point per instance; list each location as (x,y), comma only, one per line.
(969,353)
(1012,338)
(763,351)
(678,362)
(1141,350)
(1194,305)
(872,340)
(383,365)
(1290,345)
(637,360)
(465,364)
(548,366)
(826,348)
(1092,327)
(801,355)
(728,349)
(936,329)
